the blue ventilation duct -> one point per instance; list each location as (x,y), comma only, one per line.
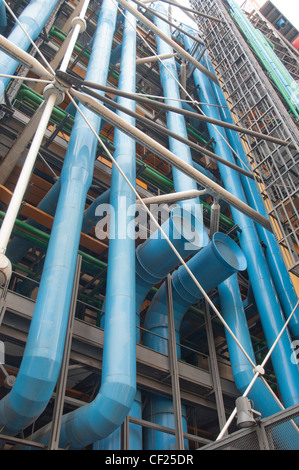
(264,292)
(40,366)
(118,384)
(33,19)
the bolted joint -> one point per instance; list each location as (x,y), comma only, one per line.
(57,89)
(5,270)
(79,21)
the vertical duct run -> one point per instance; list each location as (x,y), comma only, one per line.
(281,278)
(211,266)
(264,292)
(40,366)
(33,19)
(118,384)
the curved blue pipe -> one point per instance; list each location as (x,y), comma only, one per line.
(281,278)
(274,67)
(264,292)
(40,366)
(3,18)
(263,401)
(211,266)
(33,18)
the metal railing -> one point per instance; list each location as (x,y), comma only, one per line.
(277,432)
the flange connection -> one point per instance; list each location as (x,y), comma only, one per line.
(5,270)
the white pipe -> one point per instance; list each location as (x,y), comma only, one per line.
(173,197)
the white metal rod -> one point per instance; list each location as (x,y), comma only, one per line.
(154,58)
(173,197)
(21,186)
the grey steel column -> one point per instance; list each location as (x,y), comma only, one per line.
(214,370)
(61,384)
(173,368)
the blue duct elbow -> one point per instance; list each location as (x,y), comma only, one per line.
(155,258)
(213,264)
(33,19)
(118,385)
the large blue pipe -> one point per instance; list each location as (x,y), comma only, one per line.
(176,123)
(33,19)
(118,385)
(281,278)
(264,292)
(211,266)
(44,348)
(263,401)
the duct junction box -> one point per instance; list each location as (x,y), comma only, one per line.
(5,270)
